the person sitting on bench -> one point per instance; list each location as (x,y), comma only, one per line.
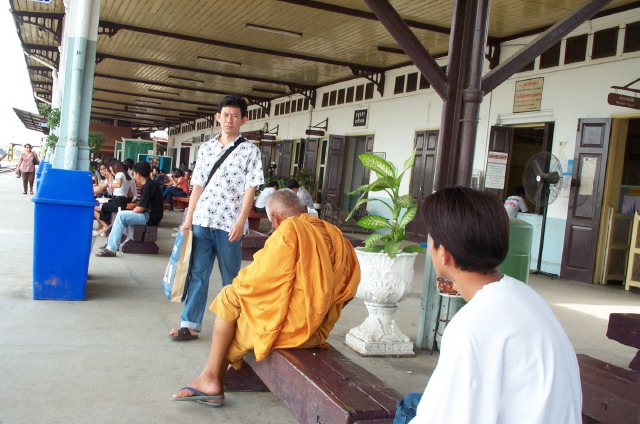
(261,201)
(504,356)
(149,210)
(290,296)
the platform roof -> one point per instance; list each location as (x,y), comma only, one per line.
(165,62)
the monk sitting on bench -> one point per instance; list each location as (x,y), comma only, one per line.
(290,296)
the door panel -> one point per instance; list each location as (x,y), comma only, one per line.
(284,161)
(311,156)
(422,175)
(500,141)
(335,160)
(368,149)
(585,199)
(265,155)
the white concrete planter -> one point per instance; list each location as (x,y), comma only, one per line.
(384,282)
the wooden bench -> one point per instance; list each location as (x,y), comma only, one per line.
(251,243)
(137,238)
(254,219)
(182,202)
(323,386)
(612,394)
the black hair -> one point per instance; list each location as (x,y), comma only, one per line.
(143,168)
(273,183)
(519,191)
(119,167)
(179,172)
(128,163)
(472,225)
(291,183)
(233,100)
(155,168)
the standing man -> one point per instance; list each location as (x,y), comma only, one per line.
(218,210)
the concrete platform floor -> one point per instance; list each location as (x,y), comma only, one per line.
(109,359)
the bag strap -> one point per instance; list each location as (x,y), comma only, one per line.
(223,157)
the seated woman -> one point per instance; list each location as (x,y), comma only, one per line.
(103,181)
(120,186)
(179,187)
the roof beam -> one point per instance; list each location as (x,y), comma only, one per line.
(141,106)
(102,56)
(540,44)
(363,14)
(147,96)
(418,54)
(111,28)
(162,84)
(167,117)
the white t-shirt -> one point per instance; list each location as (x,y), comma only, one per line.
(514,204)
(124,187)
(261,201)
(505,359)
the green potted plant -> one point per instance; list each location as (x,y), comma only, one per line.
(386,267)
(403,208)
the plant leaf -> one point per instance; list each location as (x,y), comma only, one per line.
(374,249)
(409,162)
(378,165)
(406,201)
(391,248)
(373,222)
(374,238)
(408,216)
(412,248)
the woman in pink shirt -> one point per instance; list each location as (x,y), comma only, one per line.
(27,167)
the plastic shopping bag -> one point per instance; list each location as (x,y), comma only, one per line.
(178,267)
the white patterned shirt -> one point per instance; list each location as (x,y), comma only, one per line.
(221,201)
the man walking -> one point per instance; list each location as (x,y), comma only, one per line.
(228,170)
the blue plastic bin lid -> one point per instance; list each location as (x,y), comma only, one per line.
(65,187)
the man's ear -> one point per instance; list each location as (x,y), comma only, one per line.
(445,256)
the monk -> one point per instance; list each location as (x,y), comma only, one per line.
(290,296)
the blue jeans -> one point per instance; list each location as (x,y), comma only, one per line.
(207,244)
(169,192)
(123,218)
(406,408)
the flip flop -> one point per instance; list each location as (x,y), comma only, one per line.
(183,335)
(106,253)
(212,401)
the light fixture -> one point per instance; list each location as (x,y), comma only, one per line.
(390,50)
(224,62)
(147,102)
(186,79)
(163,92)
(274,30)
(268,90)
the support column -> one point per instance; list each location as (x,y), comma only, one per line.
(79,41)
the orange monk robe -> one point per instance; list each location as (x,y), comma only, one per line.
(293,292)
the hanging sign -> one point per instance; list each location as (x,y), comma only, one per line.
(624,101)
(496,170)
(528,95)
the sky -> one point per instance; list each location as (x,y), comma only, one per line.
(15,89)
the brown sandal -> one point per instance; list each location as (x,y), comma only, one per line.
(106,253)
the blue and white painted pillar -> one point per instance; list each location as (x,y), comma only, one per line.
(76,77)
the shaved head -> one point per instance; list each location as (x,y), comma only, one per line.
(284,203)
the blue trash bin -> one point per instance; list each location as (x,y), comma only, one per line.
(40,172)
(63,220)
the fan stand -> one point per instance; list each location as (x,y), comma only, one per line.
(539,264)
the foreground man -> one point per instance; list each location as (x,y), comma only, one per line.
(290,296)
(505,357)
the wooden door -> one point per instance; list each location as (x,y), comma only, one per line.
(500,141)
(311,156)
(368,148)
(585,200)
(335,161)
(422,175)
(284,161)
(265,156)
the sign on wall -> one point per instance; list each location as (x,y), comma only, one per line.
(360,118)
(528,95)
(496,170)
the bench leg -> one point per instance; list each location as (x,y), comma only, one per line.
(243,380)
(142,247)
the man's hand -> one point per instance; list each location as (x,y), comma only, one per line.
(236,231)
(187,224)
